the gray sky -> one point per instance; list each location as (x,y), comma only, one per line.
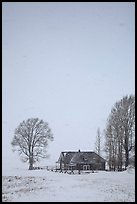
(65,63)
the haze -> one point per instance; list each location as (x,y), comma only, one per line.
(65,63)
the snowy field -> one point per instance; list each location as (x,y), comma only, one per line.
(22,185)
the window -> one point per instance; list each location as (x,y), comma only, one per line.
(86,167)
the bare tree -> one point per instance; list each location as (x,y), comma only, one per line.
(120,132)
(31,139)
(109,146)
(98,142)
(117,130)
(98,147)
(128,125)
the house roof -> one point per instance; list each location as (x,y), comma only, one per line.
(79,157)
(66,156)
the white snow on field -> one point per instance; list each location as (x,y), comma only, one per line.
(22,185)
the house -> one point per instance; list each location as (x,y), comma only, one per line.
(80,160)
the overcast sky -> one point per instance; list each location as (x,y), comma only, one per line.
(65,63)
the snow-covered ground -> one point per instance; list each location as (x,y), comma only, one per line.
(22,185)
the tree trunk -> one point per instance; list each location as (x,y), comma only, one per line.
(31,163)
(78,168)
(126,149)
(127,158)
(61,166)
